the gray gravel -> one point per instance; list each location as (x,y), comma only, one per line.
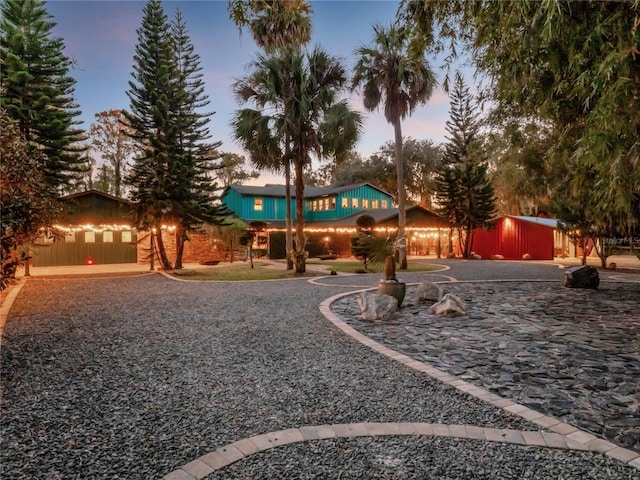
(133,377)
(408,458)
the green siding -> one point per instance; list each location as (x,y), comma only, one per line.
(78,252)
(361,192)
(273,208)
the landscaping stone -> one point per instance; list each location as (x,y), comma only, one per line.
(584,276)
(376,307)
(449,306)
(427,291)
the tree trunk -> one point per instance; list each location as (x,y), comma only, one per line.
(181,237)
(402,214)
(164,260)
(300,240)
(469,240)
(288,242)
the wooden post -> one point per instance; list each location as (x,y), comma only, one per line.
(27,264)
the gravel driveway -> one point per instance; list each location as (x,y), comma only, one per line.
(133,377)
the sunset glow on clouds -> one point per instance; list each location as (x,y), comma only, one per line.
(100,37)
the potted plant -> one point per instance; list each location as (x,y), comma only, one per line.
(382,250)
(391,285)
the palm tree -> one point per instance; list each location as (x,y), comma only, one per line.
(274,25)
(297,115)
(400,78)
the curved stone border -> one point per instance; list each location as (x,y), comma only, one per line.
(443,268)
(7,303)
(580,439)
(225,456)
(178,279)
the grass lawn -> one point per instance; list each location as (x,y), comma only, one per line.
(356,266)
(239,271)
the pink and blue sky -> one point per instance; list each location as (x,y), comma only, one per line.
(100,37)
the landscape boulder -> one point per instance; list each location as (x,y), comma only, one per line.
(450,306)
(583,276)
(376,307)
(427,291)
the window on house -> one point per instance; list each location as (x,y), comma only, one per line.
(325,204)
(126,236)
(107,236)
(70,237)
(385,204)
(333,203)
(90,237)
(345,203)
(374,203)
(354,203)
(365,203)
(257,204)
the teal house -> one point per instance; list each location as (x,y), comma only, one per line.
(268,203)
(330,215)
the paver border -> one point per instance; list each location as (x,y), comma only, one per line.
(7,303)
(224,456)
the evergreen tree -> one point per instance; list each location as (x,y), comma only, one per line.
(464,193)
(37,91)
(194,157)
(151,123)
(169,177)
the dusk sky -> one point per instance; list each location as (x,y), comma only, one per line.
(100,37)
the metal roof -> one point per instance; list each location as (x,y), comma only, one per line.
(547,222)
(275,190)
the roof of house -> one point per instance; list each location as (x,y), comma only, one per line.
(275,190)
(94,192)
(547,222)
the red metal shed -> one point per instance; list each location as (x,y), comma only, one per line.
(513,236)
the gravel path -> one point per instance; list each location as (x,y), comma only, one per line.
(134,377)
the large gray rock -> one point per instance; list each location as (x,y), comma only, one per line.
(583,276)
(427,291)
(376,307)
(450,306)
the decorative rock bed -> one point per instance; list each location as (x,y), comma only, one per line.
(570,353)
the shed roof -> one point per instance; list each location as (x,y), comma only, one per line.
(547,222)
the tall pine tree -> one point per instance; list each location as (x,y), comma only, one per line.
(194,156)
(168,179)
(464,194)
(38,92)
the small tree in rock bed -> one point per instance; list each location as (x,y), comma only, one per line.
(464,194)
